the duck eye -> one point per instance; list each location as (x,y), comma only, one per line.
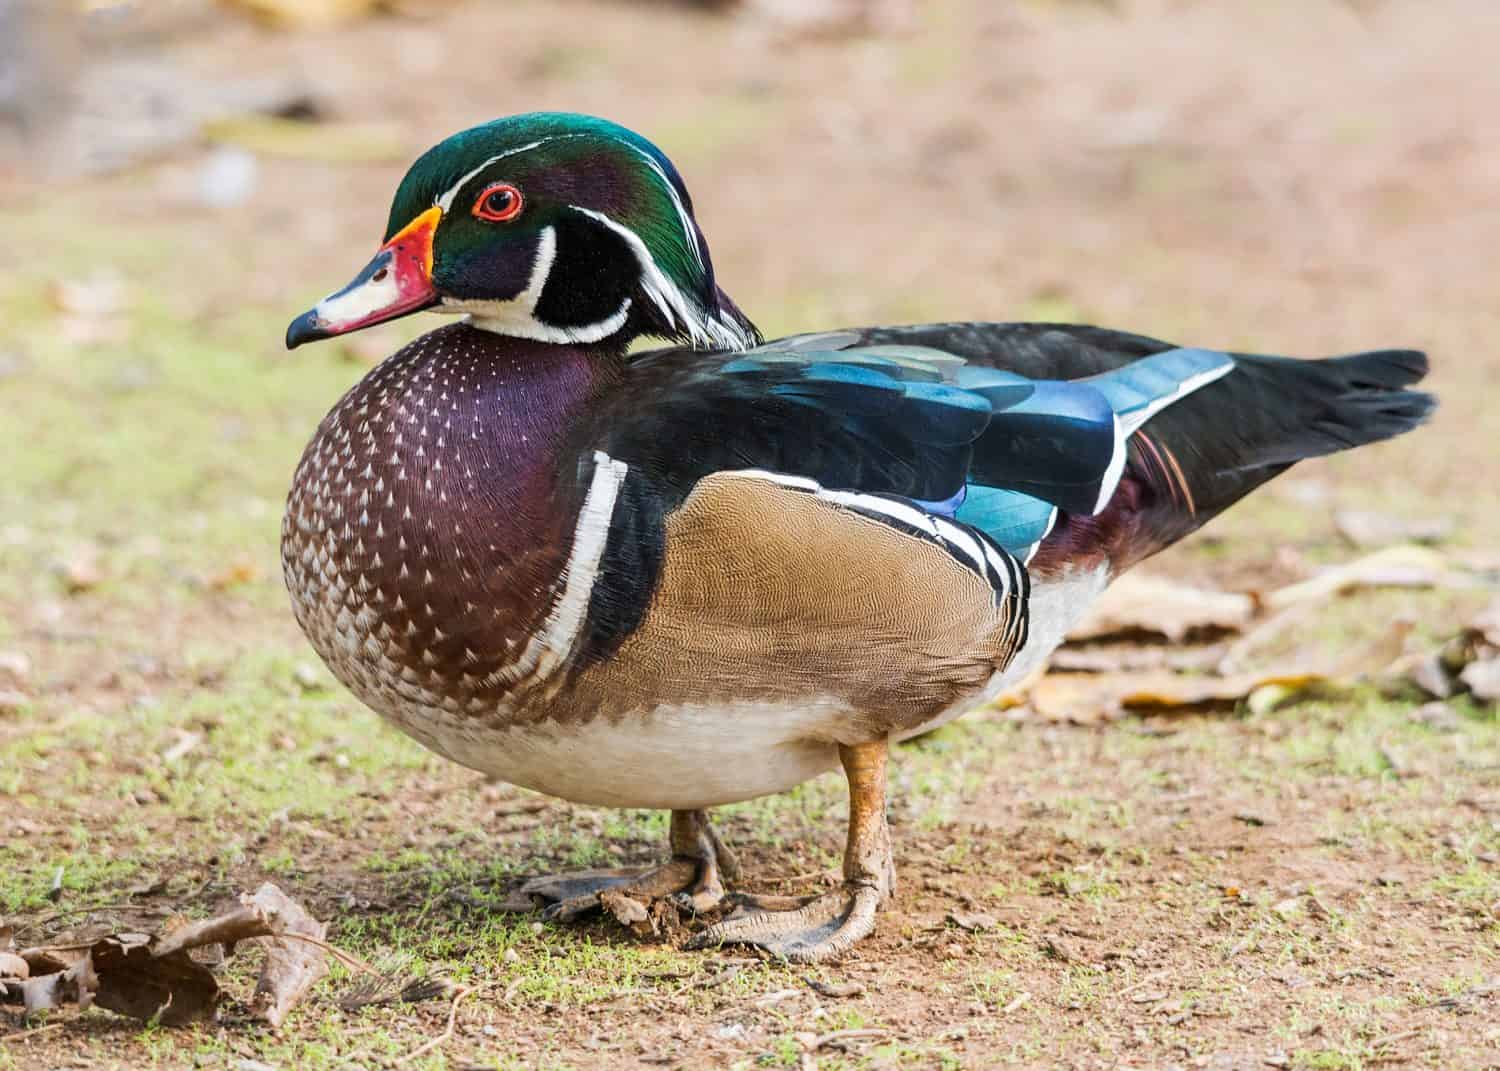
(499,203)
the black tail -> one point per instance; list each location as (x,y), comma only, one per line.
(1199,457)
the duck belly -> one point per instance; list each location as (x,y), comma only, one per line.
(672,758)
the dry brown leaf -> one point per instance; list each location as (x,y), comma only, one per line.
(148,976)
(118,972)
(133,981)
(1086,700)
(1403,566)
(1483,678)
(1133,657)
(292,966)
(625,909)
(1075,698)
(1139,602)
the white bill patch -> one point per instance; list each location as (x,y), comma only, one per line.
(354,303)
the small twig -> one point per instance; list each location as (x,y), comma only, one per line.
(841,1038)
(33,1032)
(1145,981)
(422,1050)
(346,958)
(36,924)
(1390,1039)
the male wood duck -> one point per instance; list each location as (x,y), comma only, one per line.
(700,574)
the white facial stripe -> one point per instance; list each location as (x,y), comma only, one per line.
(445,199)
(689,232)
(662,291)
(668,297)
(678,310)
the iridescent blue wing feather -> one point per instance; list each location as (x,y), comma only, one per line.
(993,448)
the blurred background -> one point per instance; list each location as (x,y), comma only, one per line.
(179,178)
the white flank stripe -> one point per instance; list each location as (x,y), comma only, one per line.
(554,644)
(801,483)
(943,531)
(1002,571)
(895,510)
(961,539)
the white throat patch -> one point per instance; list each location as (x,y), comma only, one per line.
(517,316)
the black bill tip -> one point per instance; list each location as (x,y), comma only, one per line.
(305,328)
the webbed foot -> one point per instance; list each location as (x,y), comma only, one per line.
(821,927)
(693,878)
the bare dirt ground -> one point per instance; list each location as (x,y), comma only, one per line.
(1311,886)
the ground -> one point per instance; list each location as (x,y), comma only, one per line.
(1313,886)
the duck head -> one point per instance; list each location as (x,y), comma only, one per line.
(548,226)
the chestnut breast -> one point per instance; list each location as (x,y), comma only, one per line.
(430,519)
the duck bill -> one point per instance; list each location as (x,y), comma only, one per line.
(396,282)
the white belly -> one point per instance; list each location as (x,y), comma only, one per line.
(685,758)
(681,758)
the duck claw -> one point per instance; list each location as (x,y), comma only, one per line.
(822,927)
(690,879)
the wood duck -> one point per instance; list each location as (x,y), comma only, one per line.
(695,575)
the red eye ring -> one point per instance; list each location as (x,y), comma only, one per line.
(499,202)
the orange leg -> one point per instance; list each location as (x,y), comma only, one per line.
(821,927)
